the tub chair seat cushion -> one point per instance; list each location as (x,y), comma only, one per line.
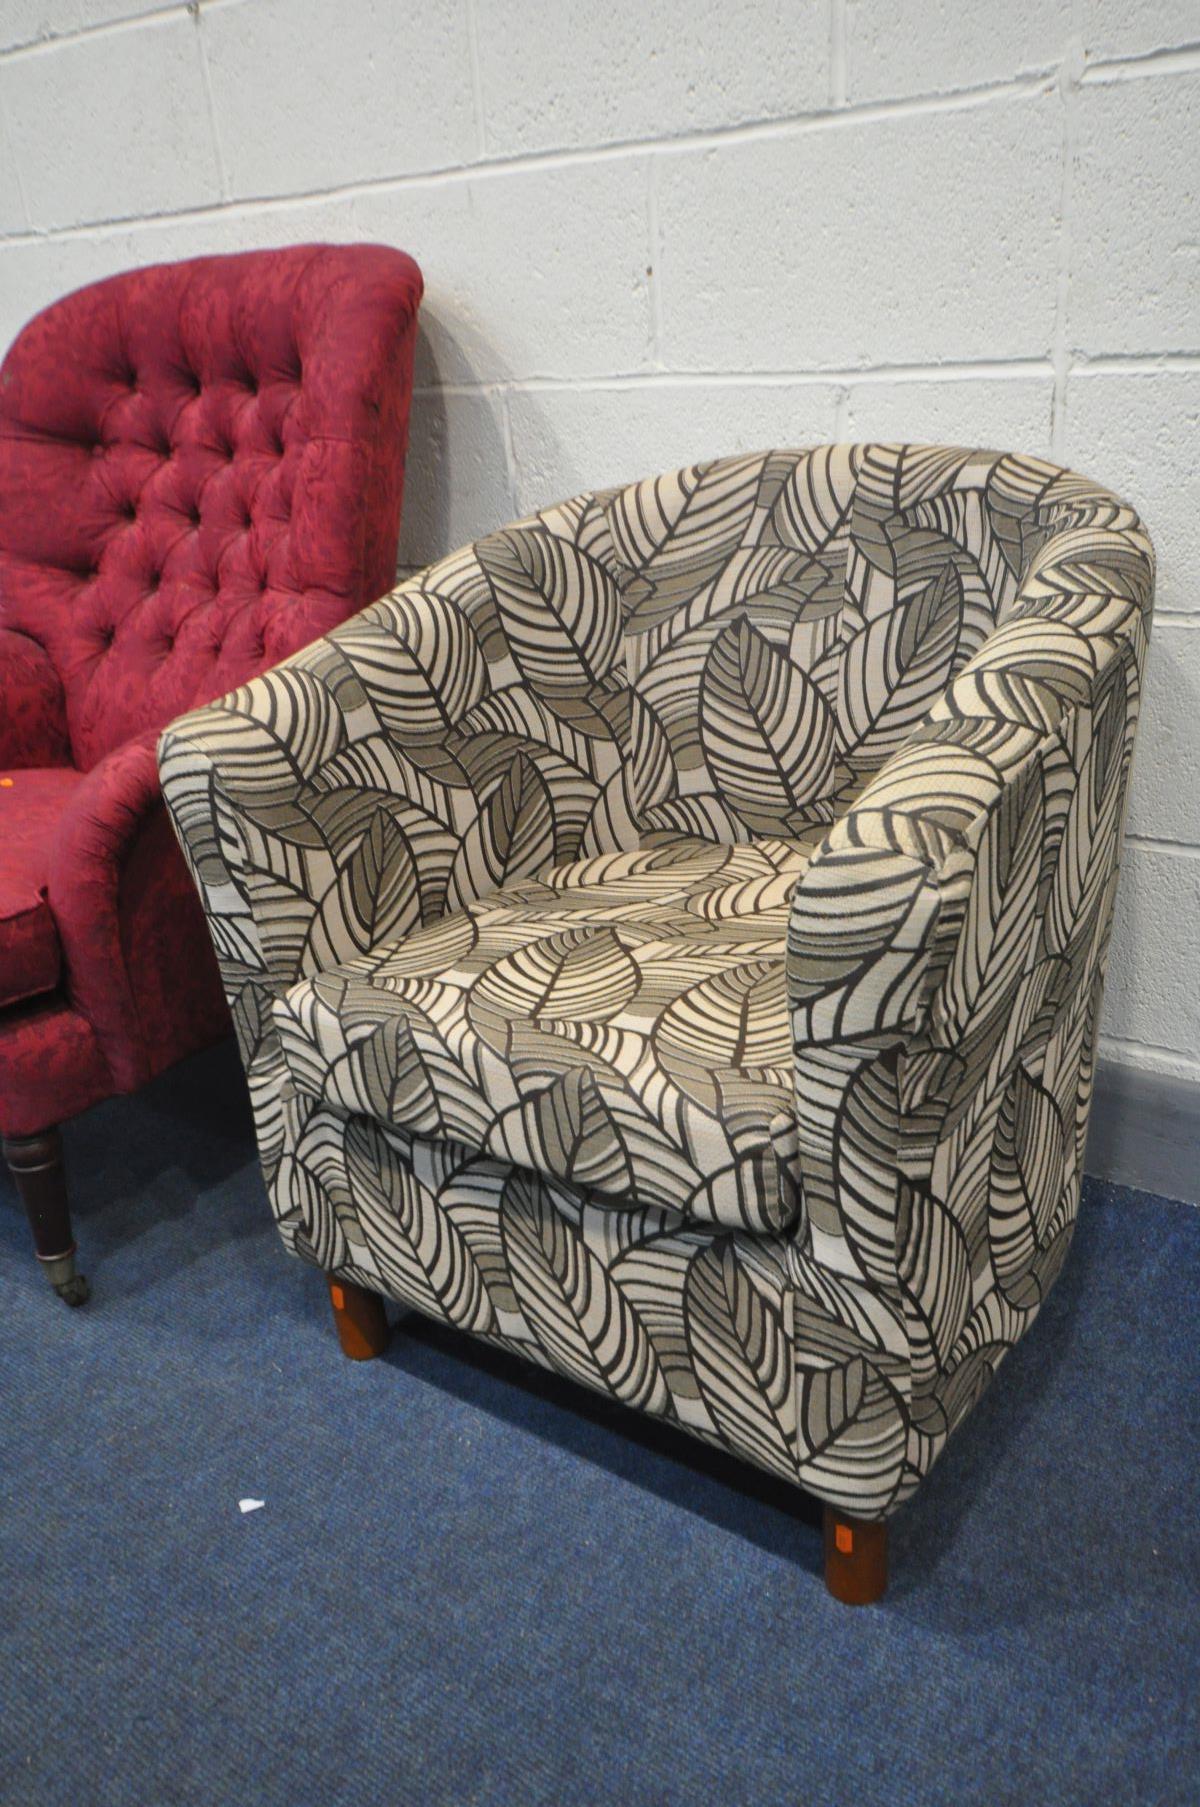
(620,1024)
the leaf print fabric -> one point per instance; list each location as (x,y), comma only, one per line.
(621,1025)
(667,938)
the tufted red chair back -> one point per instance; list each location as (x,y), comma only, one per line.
(201,468)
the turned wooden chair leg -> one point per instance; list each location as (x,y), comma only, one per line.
(36,1165)
(855,1558)
(361,1322)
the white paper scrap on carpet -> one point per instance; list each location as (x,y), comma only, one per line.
(250,1505)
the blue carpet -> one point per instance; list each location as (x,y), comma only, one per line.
(474,1584)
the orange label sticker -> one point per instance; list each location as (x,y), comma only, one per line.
(6,784)
(843,1537)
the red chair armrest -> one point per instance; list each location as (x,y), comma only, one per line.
(95,834)
(33,720)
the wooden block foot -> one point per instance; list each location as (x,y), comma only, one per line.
(855,1558)
(360,1318)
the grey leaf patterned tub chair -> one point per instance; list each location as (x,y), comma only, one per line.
(666,939)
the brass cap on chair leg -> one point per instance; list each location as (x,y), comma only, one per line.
(72,1288)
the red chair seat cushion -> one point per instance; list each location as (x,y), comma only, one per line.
(31,803)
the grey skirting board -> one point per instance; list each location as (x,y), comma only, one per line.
(1145,1131)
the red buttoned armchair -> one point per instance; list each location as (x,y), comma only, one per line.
(201,470)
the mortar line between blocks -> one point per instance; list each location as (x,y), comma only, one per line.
(1183,59)
(1134,363)
(6,142)
(497,167)
(1069,73)
(476,77)
(986,369)
(104,28)
(510,456)
(1152,843)
(210,102)
(1130,1043)
(653,262)
(837,53)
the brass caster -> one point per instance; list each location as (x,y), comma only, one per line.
(72,1288)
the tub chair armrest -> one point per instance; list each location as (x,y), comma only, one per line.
(957,913)
(438,745)
(33,712)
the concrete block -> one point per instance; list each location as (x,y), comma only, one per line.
(538,272)
(35,273)
(569,440)
(636,69)
(1165,796)
(30,21)
(456,482)
(899,47)
(1151,996)
(12,208)
(1137,432)
(34,21)
(369,90)
(108,12)
(1010,413)
(1135,226)
(919,238)
(112,125)
(1130,28)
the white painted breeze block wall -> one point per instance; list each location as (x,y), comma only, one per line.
(655,230)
